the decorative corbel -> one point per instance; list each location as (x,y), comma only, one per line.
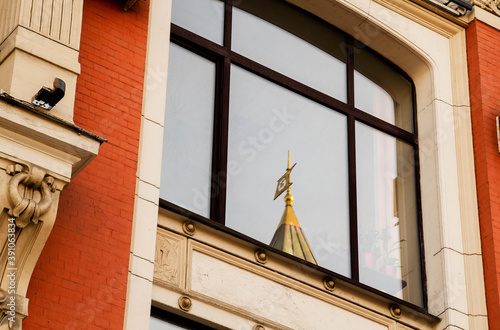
(28,203)
(495,6)
(29,193)
(490,5)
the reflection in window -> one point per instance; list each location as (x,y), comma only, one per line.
(265,121)
(203,17)
(274,34)
(187,142)
(387,214)
(381,90)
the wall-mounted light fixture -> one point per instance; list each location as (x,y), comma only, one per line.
(47,98)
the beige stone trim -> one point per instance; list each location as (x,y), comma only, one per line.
(471,238)
(238,257)
(45,142)
(490,6)
(59,20)
(143,244)
(485,16)
(40,46)
(29,61)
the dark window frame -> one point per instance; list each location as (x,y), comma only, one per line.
(224,57)
(177,320)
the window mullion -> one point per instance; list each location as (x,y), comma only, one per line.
(228,22)
(420,225)
(351,150)
(221,128)
(353,211)
(350,70)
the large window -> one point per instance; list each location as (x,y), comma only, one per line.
(250,81)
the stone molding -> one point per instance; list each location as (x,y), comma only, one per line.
(218,257)
(39,41)
(490,5)
(59,20)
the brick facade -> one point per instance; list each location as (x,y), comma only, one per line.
(80,280)
(483,46)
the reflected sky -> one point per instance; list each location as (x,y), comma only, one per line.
(203,17)
(290,54)
(265,122)
(187,143)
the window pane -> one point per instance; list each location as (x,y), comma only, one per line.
(284,39)
(187,143)
(158,324)
(381,91)
(203,17)
(387,215)
(265,122)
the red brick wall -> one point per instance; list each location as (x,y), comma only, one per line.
(80,280)
(483,47)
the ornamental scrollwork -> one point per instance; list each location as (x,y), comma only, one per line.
(492,5)
(495,6)
(29,193)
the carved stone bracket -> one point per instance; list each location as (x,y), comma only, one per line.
(495,6)
(491,5)
(9,310)
(28,206)
(29,193)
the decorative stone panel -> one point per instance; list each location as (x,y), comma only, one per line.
(170,259)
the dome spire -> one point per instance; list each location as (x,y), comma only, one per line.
(289,236)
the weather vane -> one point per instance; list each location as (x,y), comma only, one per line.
(289,236)
(284,182)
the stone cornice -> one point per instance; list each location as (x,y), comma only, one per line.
(492,6)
